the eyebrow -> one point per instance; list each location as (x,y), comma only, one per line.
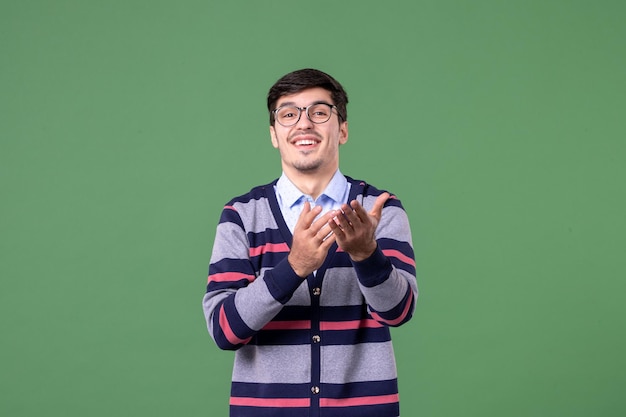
(291,103)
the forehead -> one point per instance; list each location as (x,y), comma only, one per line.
(306,97)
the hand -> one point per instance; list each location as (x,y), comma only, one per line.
(311,241)
(354,228)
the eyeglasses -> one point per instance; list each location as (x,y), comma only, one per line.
(317,113)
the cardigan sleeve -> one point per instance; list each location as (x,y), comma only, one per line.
(388,277)
(240,300)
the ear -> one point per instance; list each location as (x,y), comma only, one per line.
(273,137)
(343,133)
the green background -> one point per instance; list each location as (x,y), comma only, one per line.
(126,125)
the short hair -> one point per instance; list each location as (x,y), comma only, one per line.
(303,79)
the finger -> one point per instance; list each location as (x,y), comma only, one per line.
(356,212)
(377,209)
(307,215)
(328,239)
(321,222)
(346,218)
(324,233)
(306,208)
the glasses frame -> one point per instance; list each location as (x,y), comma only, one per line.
(306,111)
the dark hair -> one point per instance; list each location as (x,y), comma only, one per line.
(303,79)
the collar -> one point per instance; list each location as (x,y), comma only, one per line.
(290,194)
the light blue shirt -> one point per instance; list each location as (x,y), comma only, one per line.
(291,200)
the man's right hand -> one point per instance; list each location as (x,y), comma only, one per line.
(311,241)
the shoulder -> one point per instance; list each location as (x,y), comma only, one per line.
(252,210)
(257,193)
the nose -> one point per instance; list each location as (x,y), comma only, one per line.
(304,122)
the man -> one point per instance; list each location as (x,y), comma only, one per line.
(308,272)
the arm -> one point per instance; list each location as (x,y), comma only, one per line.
(379,245)
(241,298)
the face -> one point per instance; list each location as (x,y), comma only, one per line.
(306,147)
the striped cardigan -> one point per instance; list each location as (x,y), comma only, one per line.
(318,347)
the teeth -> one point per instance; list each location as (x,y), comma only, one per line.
(305,142)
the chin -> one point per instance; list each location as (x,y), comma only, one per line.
(310,167)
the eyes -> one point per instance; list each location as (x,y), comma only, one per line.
(290,115)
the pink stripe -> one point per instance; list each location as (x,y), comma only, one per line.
(228,332)
(230,208)
(269,247)
(405,312)
(270,402)
(288,325)
(230,277)
(352,402)
(399,255)
(349,325)
(394,254)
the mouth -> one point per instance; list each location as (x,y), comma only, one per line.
(305,142)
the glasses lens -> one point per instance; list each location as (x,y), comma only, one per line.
(288,115)
(320,113)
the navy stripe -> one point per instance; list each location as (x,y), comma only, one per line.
(231,216)
(255,193)
(231,265)
(270,412)
(294,313)
(218,286)
(267,236)
(344,313)
(381,410)
(353,337)
(328,337)
(360,389)
(270,390)
(281,338)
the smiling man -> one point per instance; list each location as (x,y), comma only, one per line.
(309,272)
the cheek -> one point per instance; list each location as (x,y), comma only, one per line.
(273,137)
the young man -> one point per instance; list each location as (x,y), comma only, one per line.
(308,272)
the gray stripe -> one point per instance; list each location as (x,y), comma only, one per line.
(356,363)
(387,295)
(237,243)
(256,215)
(394,224)
(279,364)
(341,288)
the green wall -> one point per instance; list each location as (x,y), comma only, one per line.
(126,125)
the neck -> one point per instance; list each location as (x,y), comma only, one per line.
(312,184)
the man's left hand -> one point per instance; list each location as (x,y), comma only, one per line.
(355,229)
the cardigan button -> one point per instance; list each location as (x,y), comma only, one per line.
(316,339)
(315,390)
(317,291)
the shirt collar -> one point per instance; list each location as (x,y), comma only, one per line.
(290,194)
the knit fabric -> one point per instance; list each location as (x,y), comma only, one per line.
(314,347)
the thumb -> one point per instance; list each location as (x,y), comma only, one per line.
(305,210)
(377,209)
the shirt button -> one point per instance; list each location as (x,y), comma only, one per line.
(317,291)
(316,339)
(315,390)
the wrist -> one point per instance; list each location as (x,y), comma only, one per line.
(300,272)
(364,254)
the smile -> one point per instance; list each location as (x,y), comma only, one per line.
(305,142)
